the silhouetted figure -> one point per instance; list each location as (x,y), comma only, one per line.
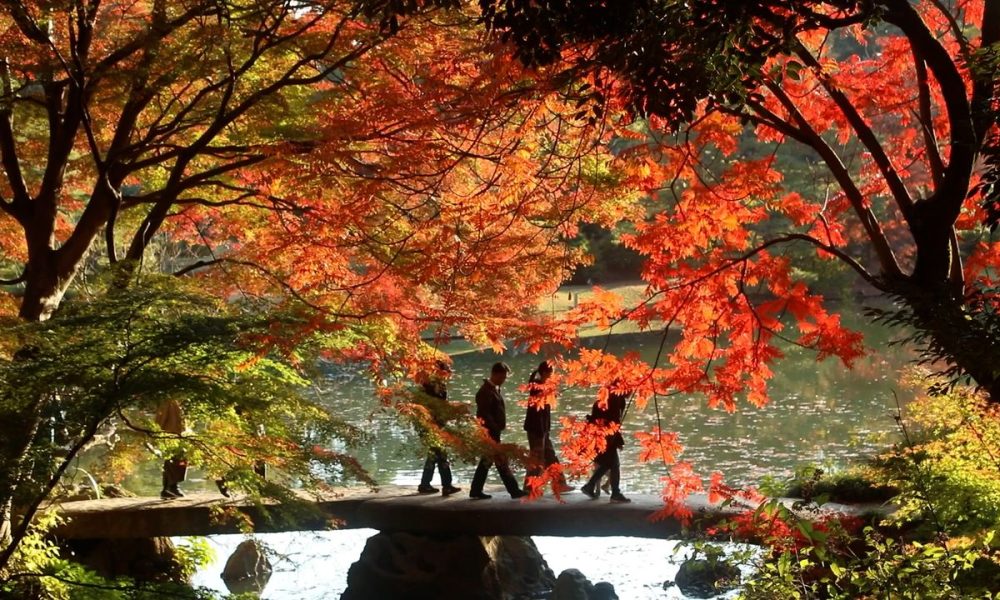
(607,461)
(259,467)
(434,396)
(492,412)
(170,419)
(538,424)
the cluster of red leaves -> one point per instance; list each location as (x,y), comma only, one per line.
(582,442)
(433,204)
(551,478)
(677,486)
(782,532)
(657,445)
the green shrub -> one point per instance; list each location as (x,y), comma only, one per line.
(943,480)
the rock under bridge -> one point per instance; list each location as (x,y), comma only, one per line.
(394,508)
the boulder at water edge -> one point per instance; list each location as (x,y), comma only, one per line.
(604,591)
(248,569)
(407,566)
(707,578)
(574,585)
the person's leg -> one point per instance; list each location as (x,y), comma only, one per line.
(616,492)
(601,467)
(444,467)
(429,463)
(479,478)
(174,472)
(507,477)
(165,492)
(616,472)
(549,452)
(425,486)
(536,455)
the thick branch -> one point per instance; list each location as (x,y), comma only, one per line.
(105,201)
(864,132)
(25,22)
(926,119)
(868,219)
(8,150)
(950,195)
(984,89)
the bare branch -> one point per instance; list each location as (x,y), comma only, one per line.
(789,237)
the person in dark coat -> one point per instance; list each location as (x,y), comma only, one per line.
(607,461)
(492,413)
(434,396)
(538,425)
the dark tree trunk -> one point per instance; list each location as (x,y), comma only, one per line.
(956,330)
(957,334)
(17,430)
(44,287)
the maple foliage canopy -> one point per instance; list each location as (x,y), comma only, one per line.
(363,169)
(851,128)
(380,176)
(389,173)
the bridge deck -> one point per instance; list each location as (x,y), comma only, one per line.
(392,509)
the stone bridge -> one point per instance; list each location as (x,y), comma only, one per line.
(398,509)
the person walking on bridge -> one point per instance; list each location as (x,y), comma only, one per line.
(170,419)
(492,414)
(433,395)
(538,424)
(604,415)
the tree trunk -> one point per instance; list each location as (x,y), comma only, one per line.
(958,332)
(44,288)
(17,431)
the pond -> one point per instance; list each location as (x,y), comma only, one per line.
(821,414)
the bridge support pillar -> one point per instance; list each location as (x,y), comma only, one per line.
(406,565)
(144,559)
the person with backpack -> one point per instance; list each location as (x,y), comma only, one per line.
(433,395)
(605,414)
(538,425)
